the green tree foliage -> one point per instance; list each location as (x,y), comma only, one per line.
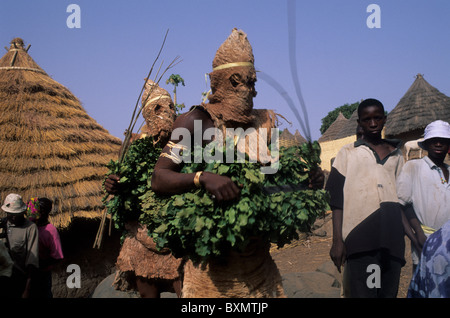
(175,80)
(346,110)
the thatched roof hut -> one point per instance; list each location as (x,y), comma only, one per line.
(420,105)
(287,139)
(334,129)
(49,146)
(341,132)
(299,138)
(349,129)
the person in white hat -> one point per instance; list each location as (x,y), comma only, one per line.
(22,241)
(423,187)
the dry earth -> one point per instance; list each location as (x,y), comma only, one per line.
(299,264)
(311,251)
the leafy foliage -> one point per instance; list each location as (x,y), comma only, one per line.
(193,224)
(135,172)
(175,80)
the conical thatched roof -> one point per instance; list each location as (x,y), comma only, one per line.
(420,105)
(49,146)
(287,139)
(334,129)
(349,129)
(299,138)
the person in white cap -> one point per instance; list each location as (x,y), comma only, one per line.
(22,241)
(423,187)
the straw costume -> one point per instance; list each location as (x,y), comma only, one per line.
(252,273)
(139,256)
(230,106)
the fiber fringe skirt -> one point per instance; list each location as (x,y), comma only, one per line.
(252,274)
(140,257)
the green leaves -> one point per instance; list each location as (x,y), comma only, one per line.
(134,171)
(192,224)
(198,227)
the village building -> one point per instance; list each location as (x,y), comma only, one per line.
(419,106)
(331,140)
(287,139)
(50,147)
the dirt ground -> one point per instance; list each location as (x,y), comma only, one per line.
(310,251)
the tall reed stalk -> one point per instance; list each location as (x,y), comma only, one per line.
(134,118)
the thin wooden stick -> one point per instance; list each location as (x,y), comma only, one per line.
(138,110)
(171,65)
(128,133)
(13,58)
(99,236)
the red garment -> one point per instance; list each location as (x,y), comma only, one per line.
(49,243)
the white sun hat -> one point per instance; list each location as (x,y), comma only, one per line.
(14,204)
(436,129)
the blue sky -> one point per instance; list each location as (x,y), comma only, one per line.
(340,60)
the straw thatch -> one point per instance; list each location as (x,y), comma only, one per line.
(420,105)
(299,138)
(334,129)
(49,146)
(349,129)
(287,139)
(252,274)
(230,103)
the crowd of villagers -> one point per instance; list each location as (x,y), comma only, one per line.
(30,248)
(375,197)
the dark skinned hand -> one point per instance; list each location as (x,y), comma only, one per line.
(221,187)
(112,185)
(338,254)
(316,179)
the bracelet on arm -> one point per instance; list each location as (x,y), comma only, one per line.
(197,179)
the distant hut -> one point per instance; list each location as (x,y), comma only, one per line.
(335,128)
(50,147)
(341,132)
(349,129)
(421,105)
(299,138)
(287,139)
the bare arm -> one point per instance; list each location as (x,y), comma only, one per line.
(409,231)
(337,251)
(419,236)
(167,178)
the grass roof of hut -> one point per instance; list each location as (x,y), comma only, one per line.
(421,105)
(49,146)
(334,129)
(349,129)
(287,139)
